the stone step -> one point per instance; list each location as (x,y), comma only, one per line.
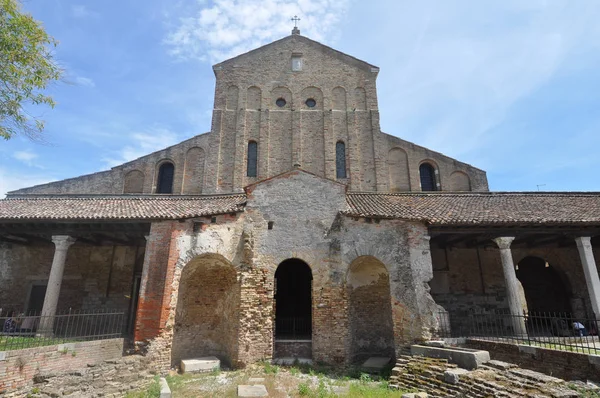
(204,364)
(247,391)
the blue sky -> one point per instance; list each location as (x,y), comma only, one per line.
(511,87)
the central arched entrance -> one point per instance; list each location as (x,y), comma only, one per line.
(293,309)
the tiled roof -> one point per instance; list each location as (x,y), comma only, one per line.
(486,208)
(118,207)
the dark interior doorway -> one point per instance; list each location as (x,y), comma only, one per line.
(293,300)
(36,300)
(545,290)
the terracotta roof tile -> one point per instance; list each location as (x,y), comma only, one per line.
(118,207)
(502,208)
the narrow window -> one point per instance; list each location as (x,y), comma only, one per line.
(165,178)
(252,159)
(340,160)
(427,173)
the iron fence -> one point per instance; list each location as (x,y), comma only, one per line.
(560,331)
(293,328)
(30,330)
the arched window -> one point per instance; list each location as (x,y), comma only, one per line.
(164,183)
(252,159)
(340,160)
(427,173)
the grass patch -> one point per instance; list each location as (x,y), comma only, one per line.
(152,391)
(9,343)
(584,392)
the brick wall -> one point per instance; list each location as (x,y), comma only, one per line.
(563,364)
(19,367)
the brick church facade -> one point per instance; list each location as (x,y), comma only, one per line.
(295,227)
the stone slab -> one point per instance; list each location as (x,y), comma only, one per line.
(2,355)
(205,364)
(436,343)
(452,376)
(289,361)
(246,391)
(463,357)
(501,364)
(165,391)
(536,376)
(376,363)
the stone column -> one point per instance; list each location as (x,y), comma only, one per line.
(510,279)
(591,272)
(62,244)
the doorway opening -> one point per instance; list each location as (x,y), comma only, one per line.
(293,301)
(544,288)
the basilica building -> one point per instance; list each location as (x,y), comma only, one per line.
(295,227)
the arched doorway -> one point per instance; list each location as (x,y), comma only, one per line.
(544,288)
(370,309)
(293,301)
(207,314)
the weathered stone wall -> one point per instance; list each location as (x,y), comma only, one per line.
(18,367)
(95,277)
(472,279)
(319,236)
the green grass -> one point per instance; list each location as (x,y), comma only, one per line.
(153,391)
(584,392)
(9,343)
(568,347)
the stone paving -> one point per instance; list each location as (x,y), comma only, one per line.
(494,379)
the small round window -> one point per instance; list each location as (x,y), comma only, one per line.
(280,102)
(311,103)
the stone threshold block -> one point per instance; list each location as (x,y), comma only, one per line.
(205,364)
(375,364)
(246,391)
(165,391)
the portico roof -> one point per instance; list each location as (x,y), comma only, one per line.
(484,208)
(118,207)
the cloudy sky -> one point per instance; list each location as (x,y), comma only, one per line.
(509,86)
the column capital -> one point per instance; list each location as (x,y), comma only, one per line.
(62,242)
(504,242)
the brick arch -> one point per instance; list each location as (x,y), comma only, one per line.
(280,92)
(133,182)
(338,99)
(193,171)
(359,101)
(254,98)
(459,181)
(312,93)
(371,328)
(233,93)
(207,311)
(398,173)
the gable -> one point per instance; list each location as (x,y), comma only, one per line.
(298,41)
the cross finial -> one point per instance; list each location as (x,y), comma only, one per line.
(295,31)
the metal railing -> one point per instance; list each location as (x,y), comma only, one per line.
(559,331)
(27,331)
(293,328)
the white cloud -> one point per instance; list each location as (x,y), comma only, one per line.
(27,157)
(10,181)
(141,144)
(462,67)
(230,27)
(81,11)
(85,81)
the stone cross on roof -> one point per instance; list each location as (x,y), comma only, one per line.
(295,31)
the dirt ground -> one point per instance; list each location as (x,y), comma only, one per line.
(294,381)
